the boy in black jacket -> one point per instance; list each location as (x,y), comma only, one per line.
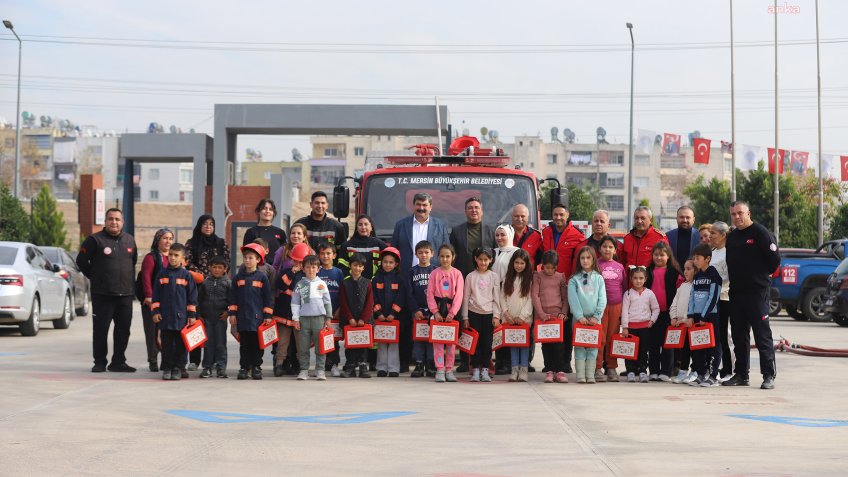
(419,278)
(213,311)
(174,305)
(356,302)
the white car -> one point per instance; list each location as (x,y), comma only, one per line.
(31,289)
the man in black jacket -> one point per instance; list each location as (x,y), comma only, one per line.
(471,235)
(108,259)
(321,227)
(752,256)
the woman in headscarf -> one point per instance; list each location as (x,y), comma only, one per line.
(364,241)
(204,245)
(504,235)
(153,262)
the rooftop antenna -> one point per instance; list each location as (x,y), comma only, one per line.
(555,134)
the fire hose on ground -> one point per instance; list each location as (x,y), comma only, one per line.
(785,346)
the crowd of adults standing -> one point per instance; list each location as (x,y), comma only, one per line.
(744,256)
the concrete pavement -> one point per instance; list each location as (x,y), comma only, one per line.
(58,418)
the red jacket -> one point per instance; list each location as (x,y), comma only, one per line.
(637,250)
(530,242)
(568,241)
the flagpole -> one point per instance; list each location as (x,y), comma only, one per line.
(732,115)
(821,161)
(777,157)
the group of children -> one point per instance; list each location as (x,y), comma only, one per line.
(306,297)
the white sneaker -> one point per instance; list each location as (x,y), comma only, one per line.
(475,376)
(484,376)
(192,367)
(664,378)
(643,378)
(689,378)
(322,376)
(680,377)
(334,372)
(653,377)
(631,377)
(303,375)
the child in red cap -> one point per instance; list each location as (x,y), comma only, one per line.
(250,301)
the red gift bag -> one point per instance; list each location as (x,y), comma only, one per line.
(326,341)
(267,335)
(516,336)
(358,336)
(550,331)
(421,330)
(675,337)
(625,348)
(497,338)
(386,331)
(468,340)
(701,336)
(338,335)
(587,336)
(444,332)
(194,336)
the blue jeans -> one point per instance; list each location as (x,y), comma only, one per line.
(520,356)
(422,351)
(215,353)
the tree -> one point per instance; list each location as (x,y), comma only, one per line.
(839,223)
(580,203)
(48,223)
(709,200)
(14,221)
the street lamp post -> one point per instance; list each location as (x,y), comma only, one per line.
(9,25)
(629,211)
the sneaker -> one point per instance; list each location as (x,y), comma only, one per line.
(450,377)
(303,375)
(737,380)
(612,376)
(681,375)
(183,373)
(382,374)
(242,374)
(664,378)
(697,381)
(322,375)
(561,377)
(119,368)
(98,368)
(709,382)
(600,376)
(394,374)
(334,371)
(440,376)
(256,374)
(153,367)
(166,375)
(768,382)
(192,366)
(206,373)
(643,378)
(418,371)
(313,373)
(278,370)
(522,374)
(222,373)
(347,372)
(363,371)
(549,377)
(475,376)
(176,375)
(631,377)
(484,376)
(429,372)
(653,377)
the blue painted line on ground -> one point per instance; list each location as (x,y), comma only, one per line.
(232,417)
(793,421)
(12,354)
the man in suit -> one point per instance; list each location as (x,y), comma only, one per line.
(417,227)
(471,235)
(683,239)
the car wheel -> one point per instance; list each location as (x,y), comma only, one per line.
(31,326)
(840,320)
(813,305)
(774,308)
(86,303)
(65,321)
(795,313)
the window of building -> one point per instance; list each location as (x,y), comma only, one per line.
(580,179)
(359,151)
(552,158)
(728,166)
(520,143)
(615,202)
(154,195)
(182,196)
(611,158)
(642,159)
(642,183)
(40,141)
(267,175)
(580,158)
(153,174)
(612,180)
(186,176)
(331,152)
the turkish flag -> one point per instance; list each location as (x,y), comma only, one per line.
(671,144)
(771,160)
(844,163)
(702,151)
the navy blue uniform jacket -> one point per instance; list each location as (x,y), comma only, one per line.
(174,298)
(251,299)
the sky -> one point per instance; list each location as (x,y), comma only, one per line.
(515,67)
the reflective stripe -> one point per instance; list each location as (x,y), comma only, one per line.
(378,307)
(257,283)
(396,307)
(310,233)
(395,286)
(287,280)
(181,281)
(380,286)
(344,263)
(364,250)
(164,280)
(267,310)
(233,307)
(191,308)
(240,283)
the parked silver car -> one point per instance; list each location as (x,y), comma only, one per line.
(31,289)
(79,283)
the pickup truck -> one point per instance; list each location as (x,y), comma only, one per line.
(800,284)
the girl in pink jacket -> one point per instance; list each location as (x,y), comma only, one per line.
(444,299)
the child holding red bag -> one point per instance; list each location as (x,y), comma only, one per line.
(517,307)
(639,312)
(481,308)
(587,298)
(444,299)
(174,305)
(549,294)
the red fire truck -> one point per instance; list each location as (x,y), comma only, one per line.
(385,191)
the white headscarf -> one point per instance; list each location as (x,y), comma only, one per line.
(504,254)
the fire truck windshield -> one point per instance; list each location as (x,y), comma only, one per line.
(388,197)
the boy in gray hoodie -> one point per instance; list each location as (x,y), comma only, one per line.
(311,311)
